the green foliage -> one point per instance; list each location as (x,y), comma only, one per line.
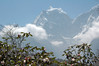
(28,55)
(80,55)
(12,38)
(12,55)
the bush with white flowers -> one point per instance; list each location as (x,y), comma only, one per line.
(80,55)
(11,55)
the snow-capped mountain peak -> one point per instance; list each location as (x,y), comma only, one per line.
(54,21)
(55,9)
(95,7)
(58,25)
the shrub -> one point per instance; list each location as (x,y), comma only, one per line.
(80,55)
(28,55)
(12,55)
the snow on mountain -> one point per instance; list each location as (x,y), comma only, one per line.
(85,18)
(89,33)
(55,21)
(64,31)
(57,25)
(58,9)
(87,22)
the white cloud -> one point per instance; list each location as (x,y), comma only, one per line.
(37,31)
(89,33)
(6,29)
(56,43)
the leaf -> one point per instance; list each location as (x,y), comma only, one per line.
(0,41)
(3,37)
(42,48)
(12,61)
(26,35)
(22,32)
(19,62)
(30,34)
(24,39)
(51,52)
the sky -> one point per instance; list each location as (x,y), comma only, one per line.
(22,12)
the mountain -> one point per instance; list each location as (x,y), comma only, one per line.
(61,28)
(89,25)
(55,21)
(85,18)
(58,26)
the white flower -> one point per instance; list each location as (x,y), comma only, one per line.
(72,64)
(73,59)
(3,45)
(24,61)
(47,59)
(29,64)
(32,61)
(44,60)
(41,56)
(2,62)
(19,57)
(8,44)
(15,55)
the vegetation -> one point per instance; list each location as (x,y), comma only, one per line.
(80,55)
(13,55)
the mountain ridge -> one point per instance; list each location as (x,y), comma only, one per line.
(62,28)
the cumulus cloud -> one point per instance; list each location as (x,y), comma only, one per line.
(37,31)
(89,33)
(56,43)
(6,29)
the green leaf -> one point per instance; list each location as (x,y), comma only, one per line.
(3,37)
(26,35)
(22,32)
(12,61)
(19,62)
(0,41)
(42,48)
(30,34)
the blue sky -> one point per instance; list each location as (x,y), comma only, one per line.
(25,11)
